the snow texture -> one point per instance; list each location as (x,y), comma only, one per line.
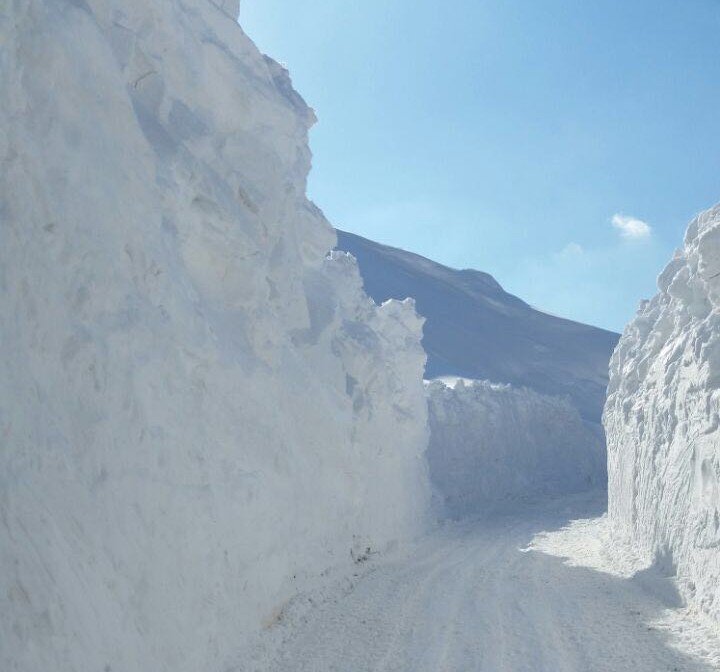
(200,410)
(589,543)
(472,596)
(662,420)
(490,443)
(475,329)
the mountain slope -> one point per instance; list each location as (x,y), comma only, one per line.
(475,329)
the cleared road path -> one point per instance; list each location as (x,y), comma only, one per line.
(470,597)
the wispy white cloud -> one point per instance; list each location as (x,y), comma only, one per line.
(631,227)
(572,250)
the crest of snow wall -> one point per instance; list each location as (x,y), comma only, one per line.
(200,411)
(662,419)
(490,443)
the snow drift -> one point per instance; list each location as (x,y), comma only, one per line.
(200,411)
(662,420)
(490,443)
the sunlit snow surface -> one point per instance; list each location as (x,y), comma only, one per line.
(587,542)
(493,593)
(663,418)
(201,412)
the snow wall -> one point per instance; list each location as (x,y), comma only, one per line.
(200,410)
(663,417)
(490,443)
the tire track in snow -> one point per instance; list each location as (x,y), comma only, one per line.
(469,599)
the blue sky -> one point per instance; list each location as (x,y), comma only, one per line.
(560,145)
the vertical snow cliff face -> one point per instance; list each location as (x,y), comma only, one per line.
(490,443)
(663,417)
(200,411)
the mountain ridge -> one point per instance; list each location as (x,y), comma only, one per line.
(476,329)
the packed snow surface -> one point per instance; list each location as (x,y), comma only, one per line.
(200,411)
(475,329)
(493,595)
(663,422)
(490,443)
(589,543)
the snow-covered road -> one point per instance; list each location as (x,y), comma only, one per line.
(472,597)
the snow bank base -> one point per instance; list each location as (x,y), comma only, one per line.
(490,443)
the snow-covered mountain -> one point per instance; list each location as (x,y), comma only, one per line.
(475,329)
(195,400)
(663,421)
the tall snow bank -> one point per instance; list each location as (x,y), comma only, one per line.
(200,411)
(490,443)
(662,418)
